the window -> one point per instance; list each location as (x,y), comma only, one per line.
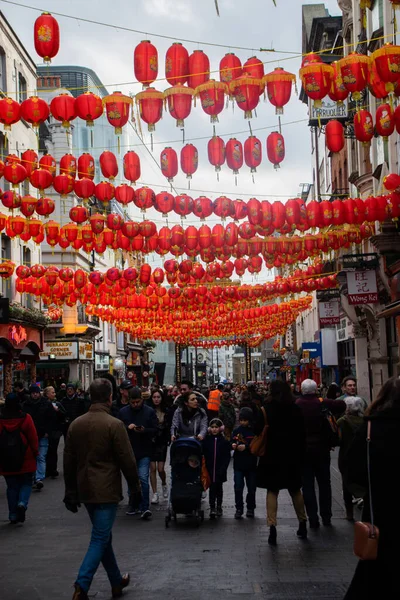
(26,299)
(111,333)
(3,154)
(121,340)
(22,89)
(3,72)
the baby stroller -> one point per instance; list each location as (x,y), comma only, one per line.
(186,486)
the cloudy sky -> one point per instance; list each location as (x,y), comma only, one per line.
(252,24)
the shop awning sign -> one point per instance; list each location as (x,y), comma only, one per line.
(329,313)
(362,287)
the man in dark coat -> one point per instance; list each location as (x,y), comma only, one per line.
(317,464)
(73,405)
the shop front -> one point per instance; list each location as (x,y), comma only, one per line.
(20,347)
(66,360)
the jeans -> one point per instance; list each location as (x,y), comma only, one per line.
(317,466)
(100,548)
(272,506)
(19,488)
(239,478)
(143,467)
(216,494)
(52,453)
(41,459)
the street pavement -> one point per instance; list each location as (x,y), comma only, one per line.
(224,559)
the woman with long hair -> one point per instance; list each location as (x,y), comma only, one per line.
(379,578)
(189,419)
(160,446)
(281,466)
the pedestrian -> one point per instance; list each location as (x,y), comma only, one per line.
(19,447)
(187,386)
(217,455)
(280,468)
(141,423)
(349,388)
(189,419)
(21,391)
(244,464)
(348,426)
(56,424)
(214,402)
(160,446)
(379,578)
(333,391)
(72,405)
(227,414)
(97,449)
(317,461)
(62,392)
(42,413)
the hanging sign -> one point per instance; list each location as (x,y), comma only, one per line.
(327,111)
(362,287)
(329,313)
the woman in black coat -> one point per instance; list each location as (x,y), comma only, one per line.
(379,578)
(281,466)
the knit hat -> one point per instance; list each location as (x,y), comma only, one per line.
(34,389)
(246,414)
(71,385)
(218,423)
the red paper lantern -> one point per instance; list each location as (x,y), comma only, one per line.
(230,68)
(147,229)
(117,109)
(10,112)
(246,92)
(131,166)
(46,36)
(48,163)
(104,191)
(354,70)
(391,181)
(326,213)
(338,92)
(279,88)
(150,103)
(246,230)
(97,223)
(145,198)
(17,225)
(316,79)
(376,85)
(231,234)
(313,209)
(338,213)
(384,121)
(29,160)
(28,205)
(334,136)
(179,100)
(252,153)
(34,110)
(212,98)
(183,205)
(176,64)
(254,67)
(387,61)
(202,207)
(234,155)
(10,199)
(68,165)
(124,194)
(363,126)
(199,69)
(191,237)
(278,215)
(63,184)
(223,207)
(146,62)
(89,107)
(216,152)
(164,203)
(15,173)
(78,214)
(86,167)
(169,163)
(108,165)
(189,160)
(63,109)
(275,148)
(177,236)
(292,212)
(84,188)
(45,206)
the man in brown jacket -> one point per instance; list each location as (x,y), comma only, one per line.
(97,449)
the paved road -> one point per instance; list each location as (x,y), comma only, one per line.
(221,560)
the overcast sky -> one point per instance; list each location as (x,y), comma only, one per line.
(251,24)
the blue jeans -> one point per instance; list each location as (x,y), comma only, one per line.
(143,467)
(41,459)
(239,478)
(100,548)
(19,489)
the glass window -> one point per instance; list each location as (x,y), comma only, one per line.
(22,89)
(6,255)
(3,72)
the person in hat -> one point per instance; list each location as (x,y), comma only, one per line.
(124,388)
(244,464)
(17,431)
(217,455)
(73,406)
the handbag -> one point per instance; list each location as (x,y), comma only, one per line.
(259,442)
(366,535)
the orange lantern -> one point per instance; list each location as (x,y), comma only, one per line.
(189,160)
(117,110)
(84,188)
(10,112)
(363,126)
(338,92)
(146,62)
(131,166)
(169,163)
(252,153)
(230,68)
(246,92)
(34,110)
(279,88)
(234,155)
(150,103)
(46,36)
(176,64)
(89,107)
(275,148)
(384,121)
(199,69)
(86,166)
(334,136)
(354,70)
(316,79)
(108,165)
(29,159)
(63,109)
(179,100)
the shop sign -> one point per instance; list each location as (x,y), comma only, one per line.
(102,362)
(362,287)
(329,312)
(17,334)
(59,351)
(85,350)
(328,110)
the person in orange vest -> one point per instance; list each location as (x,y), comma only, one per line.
(214,402)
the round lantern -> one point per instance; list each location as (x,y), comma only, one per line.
(189,160)
(338,92)
(68,165)
(84,188)
(145,62)
(384,121)
(275,148)
(354,71)
(63,109)
(86,166)
(46,33)
(292,213)
(363,126)
(183,205)
(387,61)
(179,100)
(48,163)
(254,67)
(223,207)
(41,179)
(29,160)
(78,214)
(376,85)
(34,110)
(199,69)
(10,112)
(234,155)
(252,153)
(131,166)
(240,210)
(63,184)
(164,203)
(28,205)
(230,68)
(104,191)
(212,98)
(117,110)
(145,198)
(97,223)
(45,206)
(176,64)
(169,163)
(246,92)
(279,88)
(124,194)
(334,136)
(202,207)
(316,79)
(391,181)
(89,107)
(108,165)
(15,173)
(11,199)
(150,103)
(326,213)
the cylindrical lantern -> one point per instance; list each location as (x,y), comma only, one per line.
(199,69)
(131,166)
(29,160)
(354,70)
(189,160)
(176,64)
(46,36)
(316,79)
(48,163)
(108,165)
(279,88)
(179,100)
(252,153)
(384,121)
(145,62)
(246,92)
(86,166)
(89,107)
(363,126)
(275,148)
(338,92)
(150,103)
(216,152)
(334,136)
(169,163)
(117,109)
(212,98)
(230,68)
(387,61)
(234,155)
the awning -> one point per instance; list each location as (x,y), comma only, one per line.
(391,310)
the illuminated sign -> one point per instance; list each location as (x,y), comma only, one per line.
(17,334)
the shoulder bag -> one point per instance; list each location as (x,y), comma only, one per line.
(259,442)
(366,535)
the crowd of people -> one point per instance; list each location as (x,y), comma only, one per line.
(125,428)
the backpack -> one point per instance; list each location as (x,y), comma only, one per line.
(13,448)
(330,429)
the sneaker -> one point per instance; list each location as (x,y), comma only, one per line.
(165,491)
(146,515)
(272,536)
(132,511)
(21,510)
(155,499)
(213,513)
(250,513)
(238,514)
(219,511)
(314,524)
(39,485)
(302,530)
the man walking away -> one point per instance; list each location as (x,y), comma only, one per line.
(41,411)
(73,406)
(96,450)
